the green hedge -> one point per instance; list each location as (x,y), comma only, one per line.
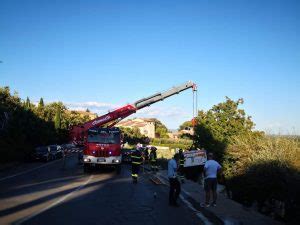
(182,146)
(172,143)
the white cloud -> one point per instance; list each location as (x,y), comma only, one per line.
(153,111)
(95,107)
(90,104)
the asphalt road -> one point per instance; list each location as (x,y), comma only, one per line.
(51,194)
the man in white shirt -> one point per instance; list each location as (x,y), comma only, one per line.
(211,170)
(174,182)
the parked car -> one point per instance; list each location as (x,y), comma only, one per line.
(67,148)
(56,151)
(64,148)
(42,154)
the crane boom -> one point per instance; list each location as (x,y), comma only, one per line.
(161,96)
(113,117)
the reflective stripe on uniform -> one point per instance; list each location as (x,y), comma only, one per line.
(181,162)
(138,163)
(134,175)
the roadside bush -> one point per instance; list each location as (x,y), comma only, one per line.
(23,129)
(265,170)
(23,126)
(249,149)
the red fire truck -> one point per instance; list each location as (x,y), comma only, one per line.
(102,141)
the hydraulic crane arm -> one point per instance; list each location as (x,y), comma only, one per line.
(144,102)
(117,115)
(161,96)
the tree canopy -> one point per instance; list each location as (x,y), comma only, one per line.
(41,103)
(161,131)
(185,124)
(25,126)
(216,127)
(133,136)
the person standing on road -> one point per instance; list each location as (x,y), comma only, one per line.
(136,160)
(181,166)
(174,182)
(211,170)
(153,159)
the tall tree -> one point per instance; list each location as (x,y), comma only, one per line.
(41,104)
(216,128)
(57,118)
(27,103)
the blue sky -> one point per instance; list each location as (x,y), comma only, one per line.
(103,54)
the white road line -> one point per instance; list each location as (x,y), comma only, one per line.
(203,218)
(189,205)
(54,203)
(199,214)
(30,170)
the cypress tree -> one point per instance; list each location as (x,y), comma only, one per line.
(27,103)
(41,103)
(57,118)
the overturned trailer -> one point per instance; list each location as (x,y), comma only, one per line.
(194,161)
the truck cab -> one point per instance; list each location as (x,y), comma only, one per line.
(102,148)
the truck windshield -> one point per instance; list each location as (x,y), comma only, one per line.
(104,137)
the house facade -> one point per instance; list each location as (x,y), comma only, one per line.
(146,126)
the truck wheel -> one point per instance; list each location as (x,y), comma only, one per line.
(118,169)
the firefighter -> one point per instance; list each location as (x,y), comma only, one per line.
(181,166)
(153,159)
(146,154)
(136,160)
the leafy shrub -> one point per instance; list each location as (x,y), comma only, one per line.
(263,169)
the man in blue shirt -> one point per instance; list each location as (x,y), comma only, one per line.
(174,182)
